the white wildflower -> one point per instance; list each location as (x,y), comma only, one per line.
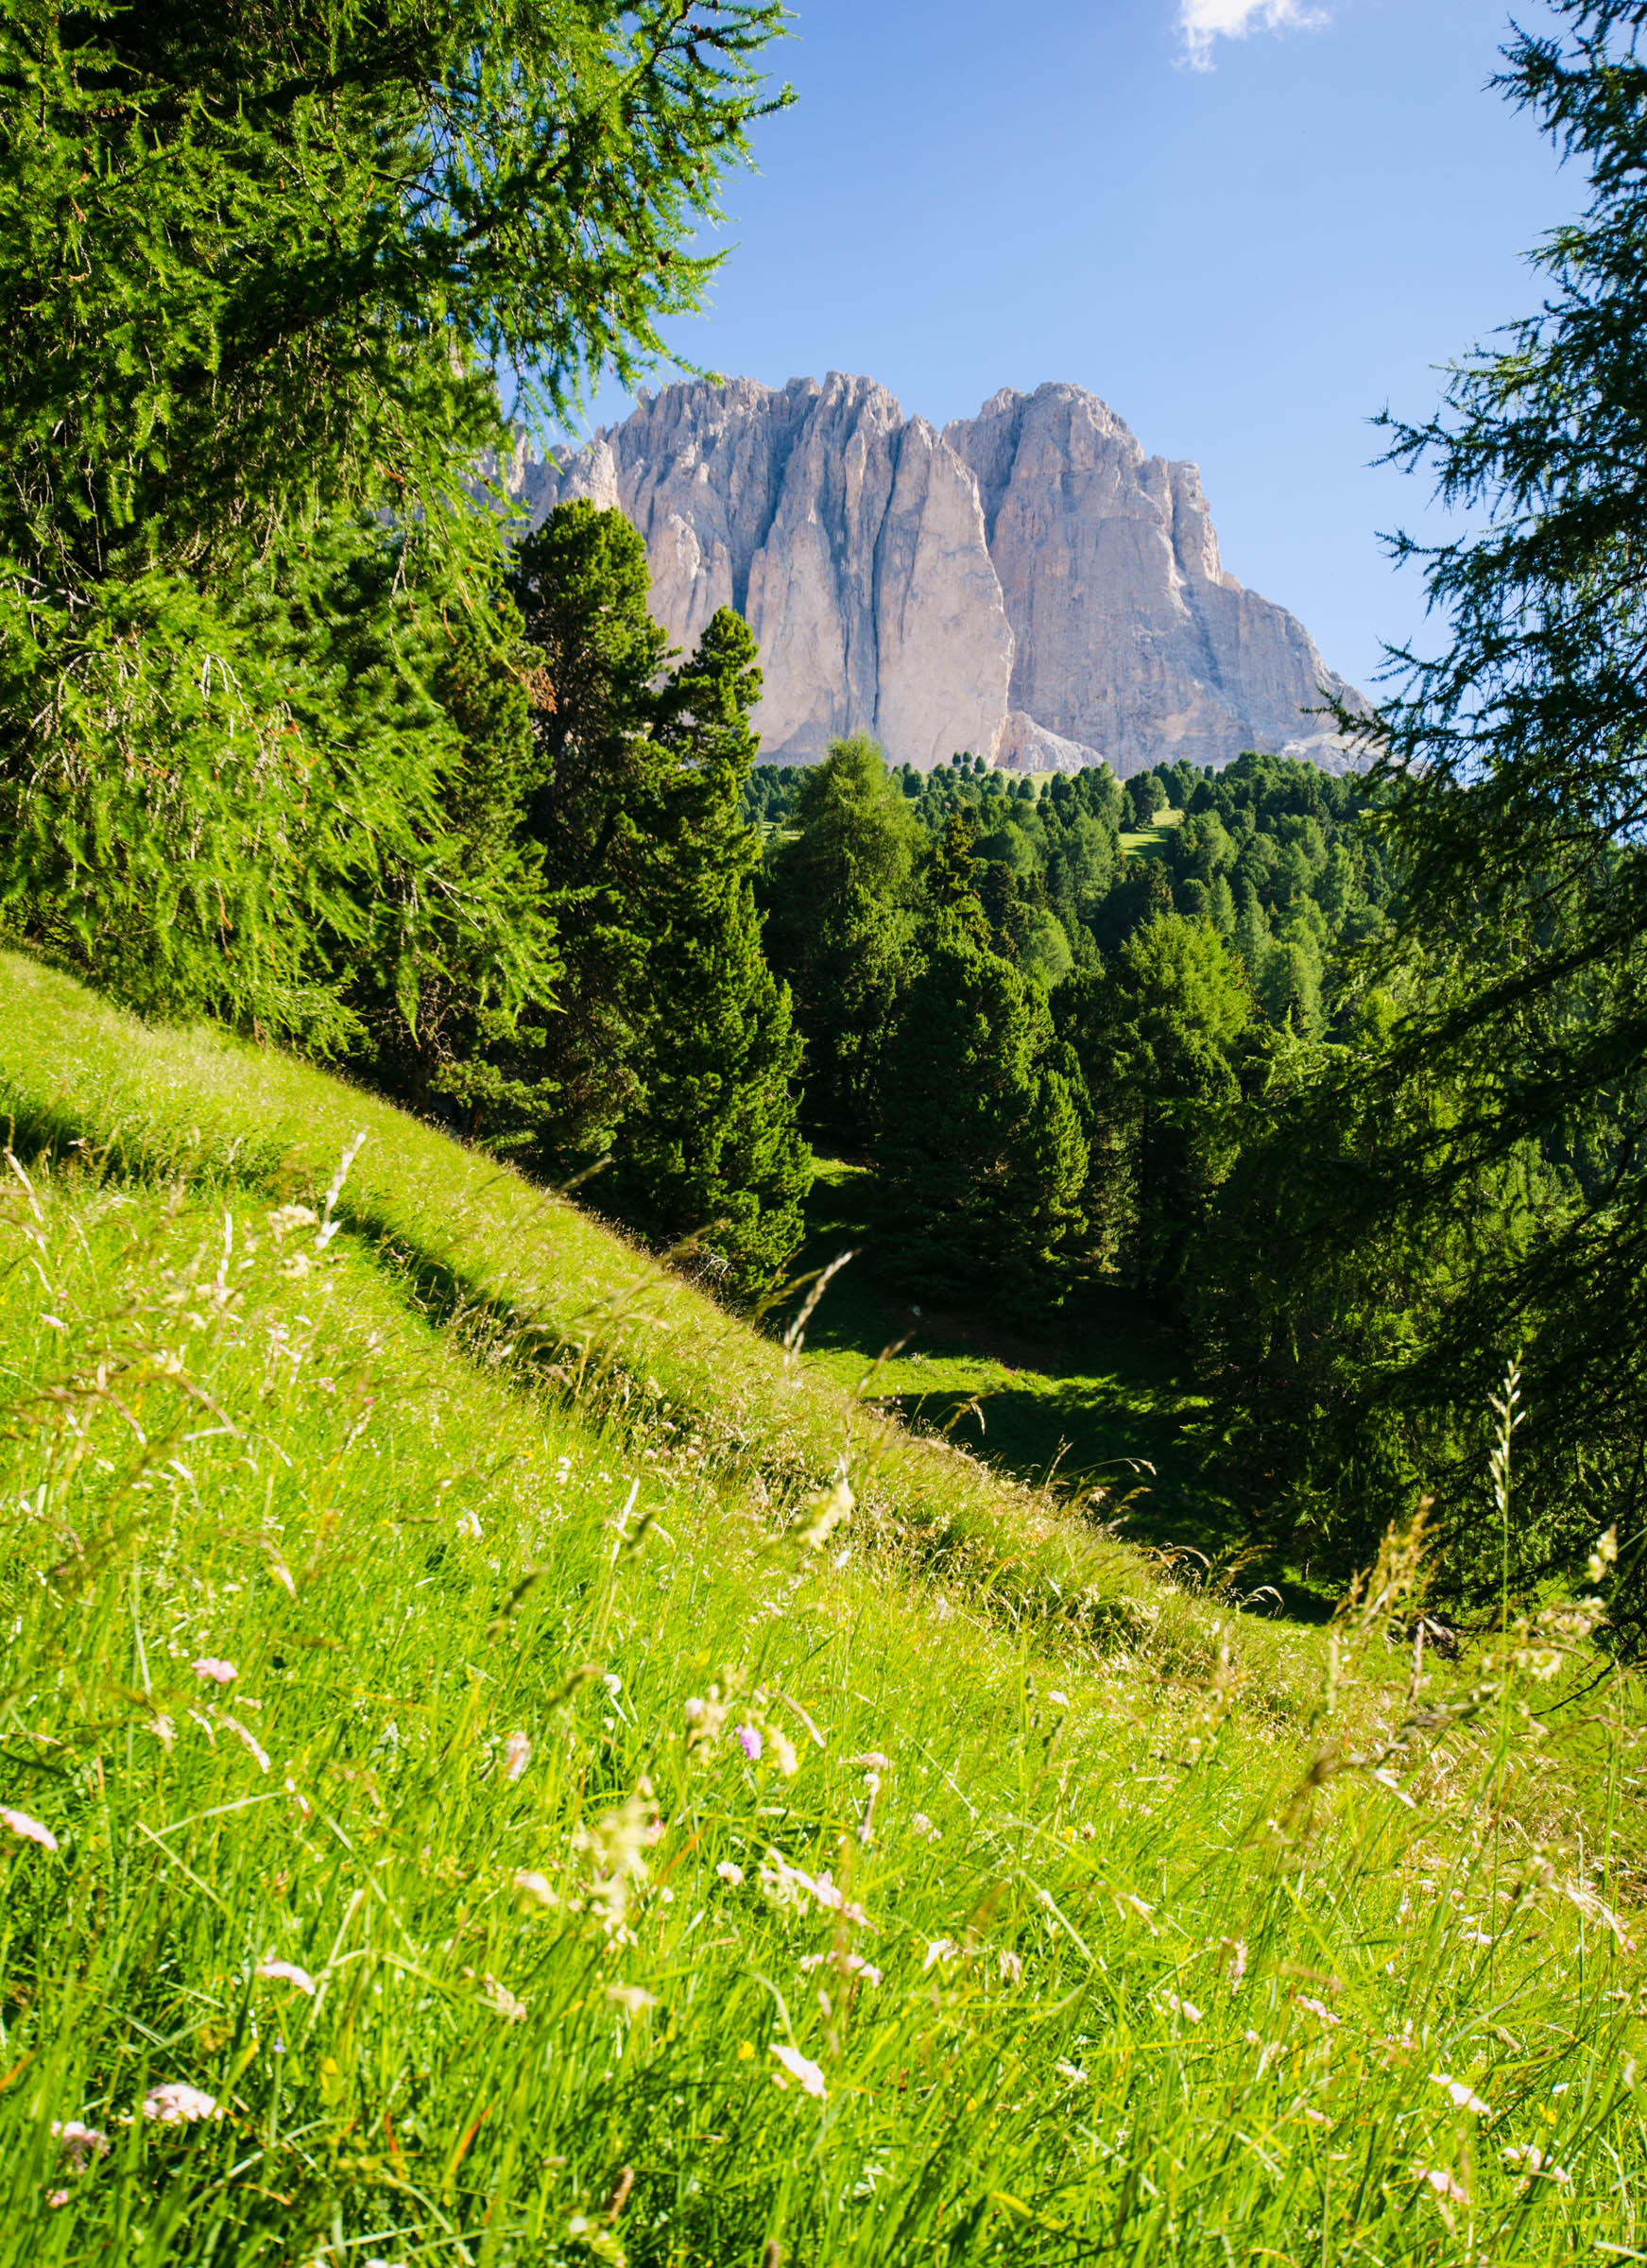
(800,2067)
(503,2002)
(1463,2097)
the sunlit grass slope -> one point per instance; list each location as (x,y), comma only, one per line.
(457,1813)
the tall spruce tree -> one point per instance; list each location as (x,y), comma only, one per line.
(711,1146)
(582,583)
(841,927)
(981,1155)
(1163,1039)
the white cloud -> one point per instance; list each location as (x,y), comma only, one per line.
(1202,22)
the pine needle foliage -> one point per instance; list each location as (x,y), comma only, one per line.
(259,267)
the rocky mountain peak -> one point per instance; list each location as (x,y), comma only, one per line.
(1026,583)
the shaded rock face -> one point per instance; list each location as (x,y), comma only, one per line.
(1026,584)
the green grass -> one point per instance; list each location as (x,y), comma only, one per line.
(1094,1405)
(1087,1936)
(1146,842)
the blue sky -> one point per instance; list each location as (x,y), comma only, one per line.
(1246,224)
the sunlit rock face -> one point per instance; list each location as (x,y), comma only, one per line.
(1026,584)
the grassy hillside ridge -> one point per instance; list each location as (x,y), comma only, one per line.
(442,1817)
(553,1283)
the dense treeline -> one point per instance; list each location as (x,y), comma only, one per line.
(1051,1047)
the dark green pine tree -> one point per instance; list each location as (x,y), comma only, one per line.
(983,1160)
(841,927)
(1163,1038)
(582,585)
(713,1147)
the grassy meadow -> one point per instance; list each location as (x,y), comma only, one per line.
(502,1762)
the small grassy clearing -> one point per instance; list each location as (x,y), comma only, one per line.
(484,1767)
(1094,1407)
(1146,842)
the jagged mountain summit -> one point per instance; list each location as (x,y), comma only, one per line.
(1026,584)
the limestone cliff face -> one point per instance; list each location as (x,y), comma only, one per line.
(1026,584)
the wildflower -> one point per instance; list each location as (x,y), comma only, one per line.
(787,1885)
(800,2068)
(501,2001)
(1316,2118)
(828,1512)
(872,1760)
(1441,2181)
(939,1949)
(1319,2008)
(57,2197)
(287,1972)
(1236,1949)
(851,1965)
(219,1673)
(1187,2009)
(920,1825)
(1069,2072)
(745,2052)
(1010,1964)
(1059,1700)
(633,1999)
(729,1871)
(27,1829)
(749,1741)
(176,2104)
(1535,2164)
(78,2144)
(517,1755)
(615,1846)
(1463,2097)
(469,1524)
(164,1732)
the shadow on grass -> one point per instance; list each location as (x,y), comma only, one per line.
(1101,1404)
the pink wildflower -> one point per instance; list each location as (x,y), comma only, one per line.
(220,1673)
(176,2104)
(27,1829)
(749,1741)
(78,2144)
(287,1972)
(517,1755)
(1441,2181)
(1320,2008)
(57,2197)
